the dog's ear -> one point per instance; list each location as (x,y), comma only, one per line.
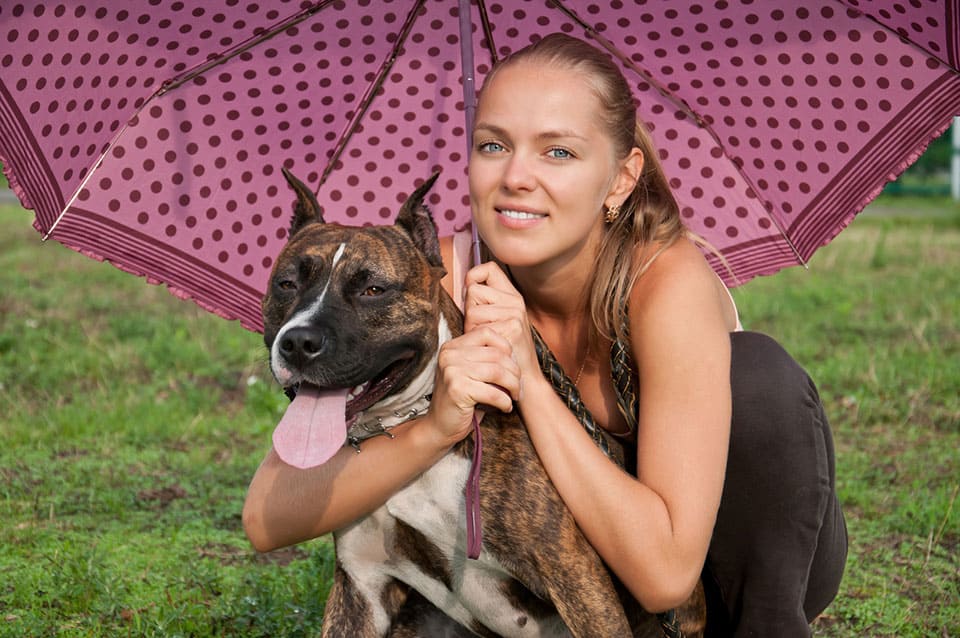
(307,209)
(416,220)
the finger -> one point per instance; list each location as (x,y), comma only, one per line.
(484,295)
(477,338)
(490,274)
(511,329)
(481,384)
(483,355)
(484,364)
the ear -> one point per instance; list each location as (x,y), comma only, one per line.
(307,209)
(626,179)
(415,219)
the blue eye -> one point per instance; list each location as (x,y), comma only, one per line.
(559,153)
(490,147)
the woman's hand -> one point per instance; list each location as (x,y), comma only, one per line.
(475,369)
(493,303)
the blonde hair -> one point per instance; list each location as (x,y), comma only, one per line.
(649,217)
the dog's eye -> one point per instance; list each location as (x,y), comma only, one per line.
(372,291)
(287,284)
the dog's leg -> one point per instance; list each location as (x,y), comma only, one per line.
(347,612)
(527,526)
(585,597)
(419,618)
(350,613)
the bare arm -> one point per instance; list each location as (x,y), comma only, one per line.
(286,505)
(653,530)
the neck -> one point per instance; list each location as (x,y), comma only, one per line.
(559,289)
(557,294)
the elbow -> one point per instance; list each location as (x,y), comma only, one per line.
(253,527)
(670,592)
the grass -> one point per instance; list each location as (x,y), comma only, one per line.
(133,421)
(875,321)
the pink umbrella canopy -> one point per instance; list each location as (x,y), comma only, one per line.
(152,134)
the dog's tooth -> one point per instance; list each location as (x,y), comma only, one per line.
(357,391)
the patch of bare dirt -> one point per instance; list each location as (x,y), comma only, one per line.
(230,555)
(162,496)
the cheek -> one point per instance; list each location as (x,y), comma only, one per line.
(482,185)
(478,180)
(575,196)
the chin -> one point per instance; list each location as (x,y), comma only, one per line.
(518,254)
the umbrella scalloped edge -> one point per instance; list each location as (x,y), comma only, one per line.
(914,155)
(18,190)
(179,293)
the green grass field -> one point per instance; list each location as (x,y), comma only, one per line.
(132,422)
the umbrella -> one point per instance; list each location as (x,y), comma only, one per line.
(152,134)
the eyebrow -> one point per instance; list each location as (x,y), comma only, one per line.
(543,136)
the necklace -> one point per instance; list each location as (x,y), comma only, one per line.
(580,371)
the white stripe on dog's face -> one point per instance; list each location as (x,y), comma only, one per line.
(302,318)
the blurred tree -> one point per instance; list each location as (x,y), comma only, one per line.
(935,160)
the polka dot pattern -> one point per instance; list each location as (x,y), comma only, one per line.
(768,118)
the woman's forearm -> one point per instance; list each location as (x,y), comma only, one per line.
(627,523)
(286,505)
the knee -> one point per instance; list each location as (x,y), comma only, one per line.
(762,371)
(776,408)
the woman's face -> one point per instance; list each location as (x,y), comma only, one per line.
(542,168)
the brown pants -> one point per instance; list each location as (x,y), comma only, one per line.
(780,542)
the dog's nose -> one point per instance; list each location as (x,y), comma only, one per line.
(300,346)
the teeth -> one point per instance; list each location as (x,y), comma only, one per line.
(516,214)
(357,391)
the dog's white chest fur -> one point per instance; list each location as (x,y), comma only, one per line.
(434,506)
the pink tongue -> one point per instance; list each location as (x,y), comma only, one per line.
(313,428)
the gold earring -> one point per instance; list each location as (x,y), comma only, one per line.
(612,213)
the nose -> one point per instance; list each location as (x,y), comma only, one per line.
(302,345)
(517,175)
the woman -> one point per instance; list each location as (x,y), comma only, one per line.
(568,197)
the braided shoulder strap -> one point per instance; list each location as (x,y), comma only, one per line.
(622,373)
(567,391)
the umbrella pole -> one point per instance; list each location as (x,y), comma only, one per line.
(469,97)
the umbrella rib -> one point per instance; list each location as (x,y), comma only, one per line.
(176,81)
(951,55)
(684,107)
(245,45)
(614,51)
(487,31)
(371,93)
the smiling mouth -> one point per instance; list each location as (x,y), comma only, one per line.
(519,214)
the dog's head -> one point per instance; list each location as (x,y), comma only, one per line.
(354,307)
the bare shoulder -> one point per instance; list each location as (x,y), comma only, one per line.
(680,286)
(680,272)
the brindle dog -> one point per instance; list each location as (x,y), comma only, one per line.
(363,308)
